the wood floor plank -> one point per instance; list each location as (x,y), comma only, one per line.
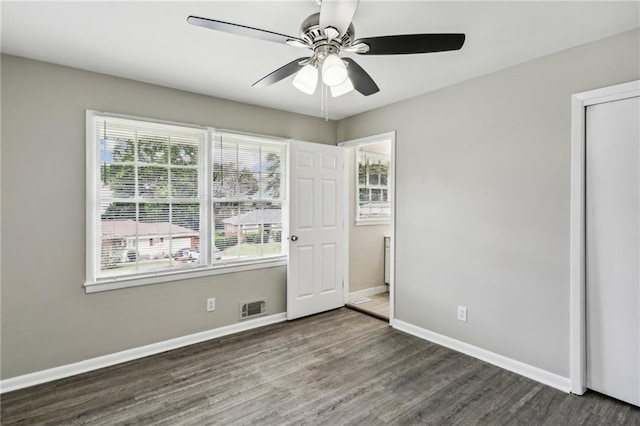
(335,368)
(377,306)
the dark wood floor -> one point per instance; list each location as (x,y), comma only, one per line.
(335,368)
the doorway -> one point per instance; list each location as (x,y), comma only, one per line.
(369,239)
(605,242)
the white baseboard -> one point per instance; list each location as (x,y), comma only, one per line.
(56,373)
(526,370)
(368,292)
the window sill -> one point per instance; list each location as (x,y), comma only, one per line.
(107,284)
(372,222)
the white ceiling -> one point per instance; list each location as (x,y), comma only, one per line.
(152,42)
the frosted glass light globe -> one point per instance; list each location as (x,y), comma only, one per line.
(334,72)
(341,89)
(306,79)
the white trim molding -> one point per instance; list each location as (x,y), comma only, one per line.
(577,301)
(526,370)
(368,139)
(368,292)
(68,370)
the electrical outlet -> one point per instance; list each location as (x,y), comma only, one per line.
(462,313)
(211,304)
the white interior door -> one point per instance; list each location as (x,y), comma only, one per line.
(613,248)
(316,226)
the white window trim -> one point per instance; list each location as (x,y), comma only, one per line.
(94,285)
(369,222)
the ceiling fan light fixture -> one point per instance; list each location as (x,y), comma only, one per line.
(342,89)
(334,72)
(306,79)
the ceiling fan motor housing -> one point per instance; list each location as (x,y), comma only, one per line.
(316,37)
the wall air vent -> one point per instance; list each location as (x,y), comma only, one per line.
(253,309)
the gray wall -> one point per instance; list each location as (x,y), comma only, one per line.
(47,319)
(482,200)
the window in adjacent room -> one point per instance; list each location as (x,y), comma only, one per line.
(372,163)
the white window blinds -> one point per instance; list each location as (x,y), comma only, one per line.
(150,196)
(248,189)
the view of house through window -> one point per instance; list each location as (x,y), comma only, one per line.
(373,162)
(171,197)
(247,197)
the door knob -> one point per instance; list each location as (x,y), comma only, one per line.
(294,238)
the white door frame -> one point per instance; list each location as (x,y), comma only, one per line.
(577,311)
(392,198)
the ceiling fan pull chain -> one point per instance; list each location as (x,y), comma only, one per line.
(321,99)
(325,101)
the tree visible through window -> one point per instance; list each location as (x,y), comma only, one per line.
(150,195)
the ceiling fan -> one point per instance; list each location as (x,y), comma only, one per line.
(327,34)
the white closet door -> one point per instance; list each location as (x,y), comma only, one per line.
(613,248)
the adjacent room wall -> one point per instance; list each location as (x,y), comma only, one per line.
(482,200)
(47,319)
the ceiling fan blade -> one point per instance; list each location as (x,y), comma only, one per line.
(411,43)
(280,74)
(242,30)
(361,81)
(337,14)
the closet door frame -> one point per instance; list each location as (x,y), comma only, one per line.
(577,262)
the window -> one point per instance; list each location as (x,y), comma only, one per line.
(171,198)
(247,197)
(373,204)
